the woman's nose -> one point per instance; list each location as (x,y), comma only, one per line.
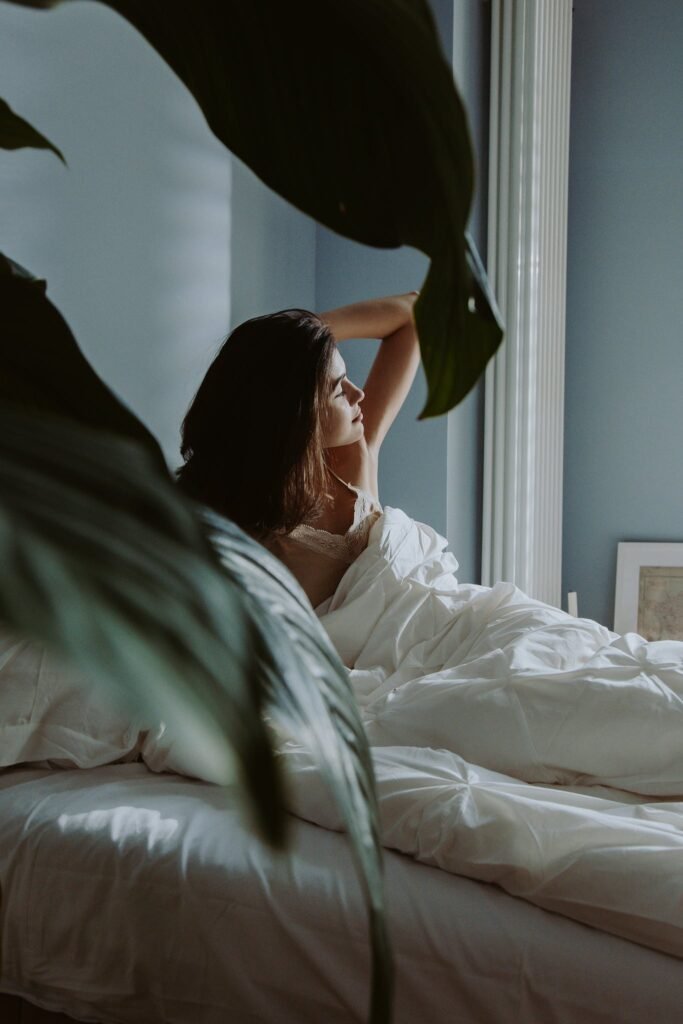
(360,393)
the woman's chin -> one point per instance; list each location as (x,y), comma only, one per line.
(356,433)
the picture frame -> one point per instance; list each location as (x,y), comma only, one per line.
(649,590)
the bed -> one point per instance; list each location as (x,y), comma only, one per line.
(529,770)
(133,896)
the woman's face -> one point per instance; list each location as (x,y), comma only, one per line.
(342,419)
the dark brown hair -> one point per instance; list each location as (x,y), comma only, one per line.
(251,439)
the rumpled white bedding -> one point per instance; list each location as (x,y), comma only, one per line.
(129,896)
(512,742)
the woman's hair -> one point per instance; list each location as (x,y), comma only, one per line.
(252,437)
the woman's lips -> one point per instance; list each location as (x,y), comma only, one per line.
(357,418)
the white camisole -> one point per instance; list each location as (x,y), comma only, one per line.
(317,558)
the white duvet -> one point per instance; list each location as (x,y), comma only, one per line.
(512,742)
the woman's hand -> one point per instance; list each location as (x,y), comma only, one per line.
(371,318)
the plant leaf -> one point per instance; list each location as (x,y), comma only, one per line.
(454,370)
(349,111)
(16,133)
(108,563)
(104,561)
(310,694)
(43,369)
(132,598)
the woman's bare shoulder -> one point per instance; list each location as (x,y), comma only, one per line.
(357,463)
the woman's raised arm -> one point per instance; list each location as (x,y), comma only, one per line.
(395,365)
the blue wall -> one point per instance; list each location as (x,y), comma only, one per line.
(415,474)
(471,61)
(272,250)
(156,241)
(133,236)
(624,387)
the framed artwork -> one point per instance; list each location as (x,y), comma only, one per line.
(649,590)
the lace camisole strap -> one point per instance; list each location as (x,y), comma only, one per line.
(318,558)
(344,547)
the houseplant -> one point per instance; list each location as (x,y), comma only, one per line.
(116,569)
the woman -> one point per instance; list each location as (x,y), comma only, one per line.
(281,441)
(489,714)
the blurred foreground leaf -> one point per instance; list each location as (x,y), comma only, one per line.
(309,692)
(16,133)
(104,562)
(175,609)
(43,369)
(349,110)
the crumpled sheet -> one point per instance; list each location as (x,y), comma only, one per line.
(512,743)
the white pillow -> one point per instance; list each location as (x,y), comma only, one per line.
(50,712)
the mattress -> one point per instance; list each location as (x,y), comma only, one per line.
(132,896)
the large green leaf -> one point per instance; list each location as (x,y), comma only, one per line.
(309,693)
(16,133)
(348,109)
(452,370)
(42,367)
(104,561)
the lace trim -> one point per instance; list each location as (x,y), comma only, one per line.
(346,546)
